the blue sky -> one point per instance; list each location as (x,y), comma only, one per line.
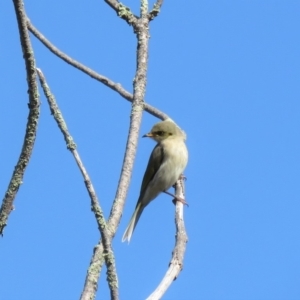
(228,73)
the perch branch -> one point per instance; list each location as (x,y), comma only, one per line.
(176,264)
(33,117)
(96,208)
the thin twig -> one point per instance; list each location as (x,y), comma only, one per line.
(122,11)
(141,28)
(117,87)
(106,81)
(33,117)
(114,4)
(155,10)
(176,264)
(125,13)
(96,208)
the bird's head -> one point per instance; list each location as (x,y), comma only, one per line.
(164,130)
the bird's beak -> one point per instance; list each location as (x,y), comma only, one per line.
(148,135)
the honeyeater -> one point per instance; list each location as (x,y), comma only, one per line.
(166,164)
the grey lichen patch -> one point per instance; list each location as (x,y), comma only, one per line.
(137,108)
(71,145)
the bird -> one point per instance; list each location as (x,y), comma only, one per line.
(166,164)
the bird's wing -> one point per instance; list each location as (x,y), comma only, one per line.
(154,163)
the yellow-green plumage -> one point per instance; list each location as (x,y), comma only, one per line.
(166,163)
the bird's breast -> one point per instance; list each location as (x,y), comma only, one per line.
(174,162)
(175,157)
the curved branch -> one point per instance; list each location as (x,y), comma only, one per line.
(176,264)
(117,87)
(33,117)
(96,208)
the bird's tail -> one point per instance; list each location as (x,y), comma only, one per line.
(133,221)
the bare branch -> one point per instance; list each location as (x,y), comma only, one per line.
(96,208)
(155,10)
(155,112)
(93,273)
(33,117)
(106,81)
(122,11)
(176,264)
(113,4)
(139,87)
(141,28)
(126,14)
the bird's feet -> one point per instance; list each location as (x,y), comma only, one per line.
(176,198)
(180,200)
(182,177)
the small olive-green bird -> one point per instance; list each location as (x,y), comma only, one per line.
(167,162)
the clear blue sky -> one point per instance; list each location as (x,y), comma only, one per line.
(228,72)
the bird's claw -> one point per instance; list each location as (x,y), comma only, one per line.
(182,177)
(180,200)
(176,198)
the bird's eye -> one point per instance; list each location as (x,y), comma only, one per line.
(160,133)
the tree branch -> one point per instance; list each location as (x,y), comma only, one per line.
(141,29)
(125,13)
(33,117)
(155,10)
(117,87)
(176,264)
(144,8)
(122,11)
(96,208)
(106,81)
(114,4)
